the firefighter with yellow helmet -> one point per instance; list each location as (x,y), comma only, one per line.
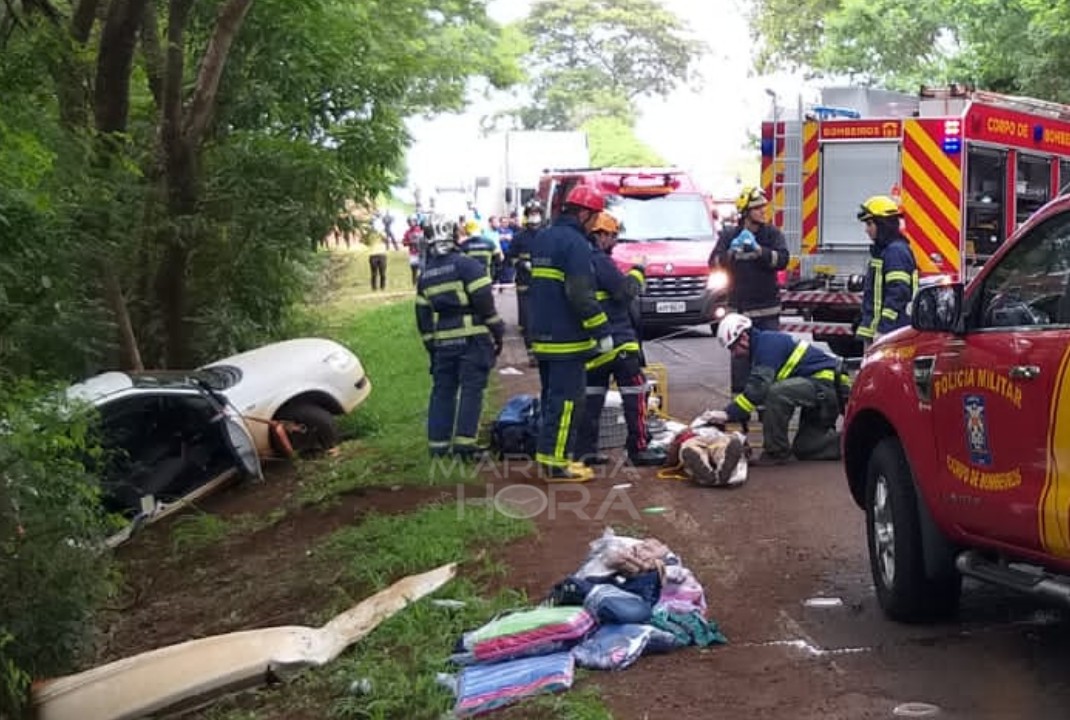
(892,275)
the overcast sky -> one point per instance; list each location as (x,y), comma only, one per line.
(702,130)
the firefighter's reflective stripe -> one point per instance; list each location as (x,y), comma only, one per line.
(1054,504)
(638,275)
(878,296)
(421,300)
(889,314)
(546,273)
(792,362)
(595,320)
(469,328)
(825,375)
(610,356)
(477,284)
(552,348)
(601,295)
(550,460)
(464,441)
(744,404)
(454,286)
(563,430)
(898,276)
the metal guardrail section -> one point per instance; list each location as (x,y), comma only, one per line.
(675,287)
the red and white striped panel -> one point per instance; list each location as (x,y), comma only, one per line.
(820,297)
(816,328)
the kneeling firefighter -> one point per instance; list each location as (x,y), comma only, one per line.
(463,335)
(785,374)
(616,292)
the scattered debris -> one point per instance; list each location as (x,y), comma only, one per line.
(451,604)
(360,686)
(622,486)
(655,510)
(916,710)
(195,672)
(510,371)
(823,602)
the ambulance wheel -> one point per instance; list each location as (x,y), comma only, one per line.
(896,555)
(313,428)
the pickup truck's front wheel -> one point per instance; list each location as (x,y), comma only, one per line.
(896,555)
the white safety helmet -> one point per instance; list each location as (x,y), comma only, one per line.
(731,327)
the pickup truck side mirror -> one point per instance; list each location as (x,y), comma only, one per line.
(938,308)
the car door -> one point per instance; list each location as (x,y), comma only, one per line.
(997,397)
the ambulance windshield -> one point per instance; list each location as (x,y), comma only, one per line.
(669,217)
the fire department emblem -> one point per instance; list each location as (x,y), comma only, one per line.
(976,430)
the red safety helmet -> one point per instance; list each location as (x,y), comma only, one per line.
(585,196)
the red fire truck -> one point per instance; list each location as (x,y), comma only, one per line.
(666,218)
(968,167)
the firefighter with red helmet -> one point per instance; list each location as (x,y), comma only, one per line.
(892,276)
(567,327)
(616,291)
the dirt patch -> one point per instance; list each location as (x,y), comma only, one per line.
(249,580)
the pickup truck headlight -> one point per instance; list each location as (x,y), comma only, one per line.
(718,280)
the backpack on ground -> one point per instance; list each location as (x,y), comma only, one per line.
(516,429)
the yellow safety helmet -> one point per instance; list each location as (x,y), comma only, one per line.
(472,227)
(604,222)
(879,206)
(750,198)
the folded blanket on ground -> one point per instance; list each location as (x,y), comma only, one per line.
(537,631)
(483,688)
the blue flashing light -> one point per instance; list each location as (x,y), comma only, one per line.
(1038,133)
(952,145)
(767,147)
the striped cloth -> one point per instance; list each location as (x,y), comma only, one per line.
(483,688)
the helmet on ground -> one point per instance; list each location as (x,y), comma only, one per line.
(751,197)
(605,222)
(585,196)
(472,227)
(731,328)
(879,206)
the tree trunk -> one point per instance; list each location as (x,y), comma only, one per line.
(130,356)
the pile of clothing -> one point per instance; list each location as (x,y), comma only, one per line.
(630,597)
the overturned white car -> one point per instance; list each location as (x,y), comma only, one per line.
(173,436)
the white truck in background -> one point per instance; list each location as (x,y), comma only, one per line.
(510,163)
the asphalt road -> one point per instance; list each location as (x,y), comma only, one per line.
(766,550)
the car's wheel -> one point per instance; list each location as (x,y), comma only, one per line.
(312,428)
(896,555)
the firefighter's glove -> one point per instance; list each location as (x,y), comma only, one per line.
(744,242)
(605,345)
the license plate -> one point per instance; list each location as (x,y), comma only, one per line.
(670,307)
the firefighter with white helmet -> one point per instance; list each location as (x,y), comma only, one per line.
(892,275)
(785,375)
(463,335)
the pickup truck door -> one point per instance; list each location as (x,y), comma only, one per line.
(1003,431)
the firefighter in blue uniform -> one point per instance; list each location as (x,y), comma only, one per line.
(520,256)
(568,327)
(616,292)
(785,375)
(463,335)
(478,247)
(892,276)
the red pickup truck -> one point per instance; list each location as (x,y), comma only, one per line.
(957,433)
(667,219)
